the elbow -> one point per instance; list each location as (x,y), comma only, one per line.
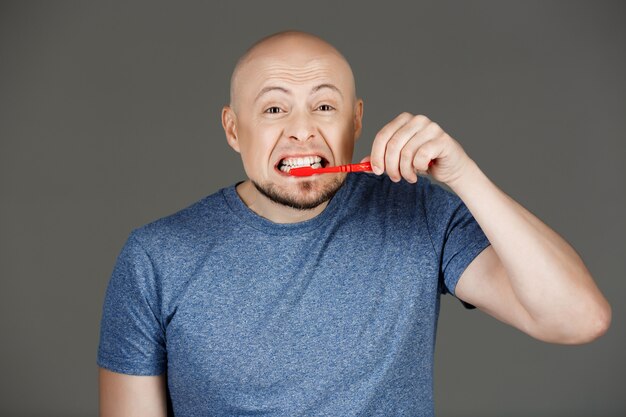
(592,328)
(578,329)
(600,324)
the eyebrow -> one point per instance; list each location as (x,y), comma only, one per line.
(321,86)
(284,90)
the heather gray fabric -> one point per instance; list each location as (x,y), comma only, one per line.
(335,316)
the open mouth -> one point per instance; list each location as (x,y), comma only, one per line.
(313,161)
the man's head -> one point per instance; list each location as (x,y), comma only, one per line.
(293,96)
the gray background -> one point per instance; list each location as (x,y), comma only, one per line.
(110,118)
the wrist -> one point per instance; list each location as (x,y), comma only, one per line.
(468,177)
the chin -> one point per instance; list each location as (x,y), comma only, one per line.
(304,194)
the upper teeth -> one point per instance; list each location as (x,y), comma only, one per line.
(304,161)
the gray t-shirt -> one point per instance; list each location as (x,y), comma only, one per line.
(334,316)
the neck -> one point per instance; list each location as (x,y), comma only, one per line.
(271,210)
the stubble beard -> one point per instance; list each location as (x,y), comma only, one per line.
(301,201)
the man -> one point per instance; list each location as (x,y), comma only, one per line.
(319,295)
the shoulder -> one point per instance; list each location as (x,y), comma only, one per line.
(381,190)
(196,221)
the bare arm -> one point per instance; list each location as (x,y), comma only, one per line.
(131,396)
(530,277)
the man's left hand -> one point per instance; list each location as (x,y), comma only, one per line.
(407,145)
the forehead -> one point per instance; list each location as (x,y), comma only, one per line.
(317,69)
(294,69)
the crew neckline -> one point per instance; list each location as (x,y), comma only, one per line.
(250,218)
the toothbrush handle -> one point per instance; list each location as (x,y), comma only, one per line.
(365,166)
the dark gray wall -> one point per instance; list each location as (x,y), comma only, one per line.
(110,118)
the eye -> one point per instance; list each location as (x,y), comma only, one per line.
(272,110)
(325,107)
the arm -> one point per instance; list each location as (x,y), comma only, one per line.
(530,277)
(131,396)
(554,296)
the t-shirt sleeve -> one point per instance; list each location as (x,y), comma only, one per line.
(132,339)
(457,237)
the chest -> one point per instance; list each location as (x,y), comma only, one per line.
(274,316)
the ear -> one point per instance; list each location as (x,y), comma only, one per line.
(229,123)
(358,119)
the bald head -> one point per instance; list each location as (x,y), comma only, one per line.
(291,48)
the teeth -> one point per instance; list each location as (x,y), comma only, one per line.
(305,161)
(287,168)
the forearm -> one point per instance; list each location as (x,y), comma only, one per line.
(548,277)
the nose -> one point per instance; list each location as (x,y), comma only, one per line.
(300,126)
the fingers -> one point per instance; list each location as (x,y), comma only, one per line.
(407,170)
(405,146)
(426,154)
(380,141)
(405,140)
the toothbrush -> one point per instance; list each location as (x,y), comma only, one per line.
(306,171)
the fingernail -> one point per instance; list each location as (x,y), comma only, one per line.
(377,170)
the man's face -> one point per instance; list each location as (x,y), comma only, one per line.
(295,107)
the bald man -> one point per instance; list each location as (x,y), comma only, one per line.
(291,296)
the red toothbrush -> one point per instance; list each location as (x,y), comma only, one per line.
(306,171)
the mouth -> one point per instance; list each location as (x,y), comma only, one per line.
(314,161)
